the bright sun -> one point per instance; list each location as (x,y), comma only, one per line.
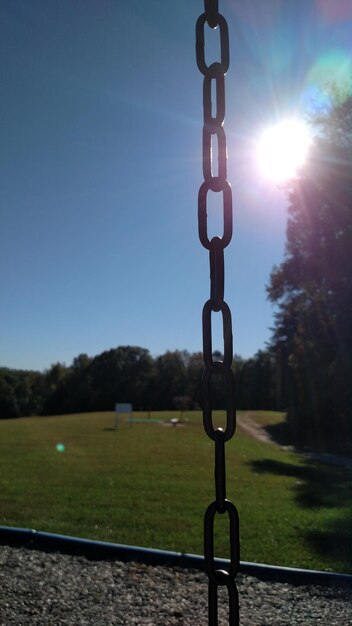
(282,149)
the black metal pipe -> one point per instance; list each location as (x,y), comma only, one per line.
(103,550)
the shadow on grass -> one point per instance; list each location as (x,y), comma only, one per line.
(279,433)
(317,486)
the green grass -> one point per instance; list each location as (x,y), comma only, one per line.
(149,485)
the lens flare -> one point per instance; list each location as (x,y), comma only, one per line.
(334,66)
(60,447)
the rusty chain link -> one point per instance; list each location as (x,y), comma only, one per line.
(217,183)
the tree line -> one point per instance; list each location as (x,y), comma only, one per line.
(131,374)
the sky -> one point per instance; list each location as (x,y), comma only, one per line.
(101,124)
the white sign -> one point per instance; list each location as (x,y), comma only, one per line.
(123,408)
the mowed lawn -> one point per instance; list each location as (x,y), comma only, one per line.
(149,485)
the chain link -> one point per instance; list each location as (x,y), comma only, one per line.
(217,273)
(216,182)
(207,154)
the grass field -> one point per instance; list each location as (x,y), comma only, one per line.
(149,485)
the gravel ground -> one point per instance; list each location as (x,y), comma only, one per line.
(49,589)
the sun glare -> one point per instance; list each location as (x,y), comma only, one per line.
(282,149)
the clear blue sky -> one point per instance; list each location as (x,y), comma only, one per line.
(101,118)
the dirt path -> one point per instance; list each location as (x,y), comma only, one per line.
(250,427)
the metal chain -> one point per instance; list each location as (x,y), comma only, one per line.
(216,182)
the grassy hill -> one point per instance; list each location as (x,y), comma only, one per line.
(150,484)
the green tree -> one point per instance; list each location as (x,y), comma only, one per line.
(21,392)
(171,379)
(256,381)
(313,289)
(195,367)
(55,396)
(8,402)
(120,375)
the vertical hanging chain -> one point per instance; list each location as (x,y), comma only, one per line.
(216,182)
